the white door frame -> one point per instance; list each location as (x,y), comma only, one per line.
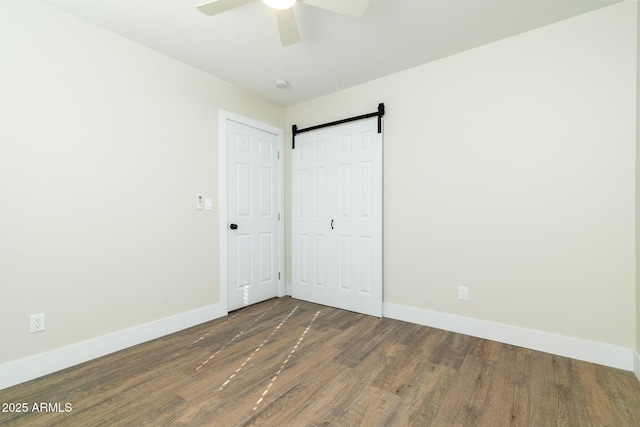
(223,117)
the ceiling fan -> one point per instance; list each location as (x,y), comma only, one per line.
(284,12)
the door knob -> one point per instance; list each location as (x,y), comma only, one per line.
(233,226)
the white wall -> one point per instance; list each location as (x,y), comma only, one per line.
(509,169)
(103,147)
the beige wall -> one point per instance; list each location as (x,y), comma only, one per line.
(104,145)
(638,197)
(509,169)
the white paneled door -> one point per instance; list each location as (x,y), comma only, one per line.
(252,215)
(337,217)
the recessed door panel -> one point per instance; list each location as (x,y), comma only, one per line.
(243,189)
(243,143)
(344,263)
(265,148)
(319,259)
(366,265)
(302,270)
(366,178)
(344,190)
(265,196)
(266,256)
(303,196)
(243,255)
(319,192)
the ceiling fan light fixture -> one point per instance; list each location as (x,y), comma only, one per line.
(280,4)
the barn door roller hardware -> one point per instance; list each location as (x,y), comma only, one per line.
(379,114)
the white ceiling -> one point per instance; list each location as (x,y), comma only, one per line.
(242,46)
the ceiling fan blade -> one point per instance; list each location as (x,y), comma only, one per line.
(287,27)
(355,8)
(218,6)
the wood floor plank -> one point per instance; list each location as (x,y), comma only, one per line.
(624,390)
(401,377)
(569,394)
(453,350)
(422,402)
(372,407)
(284,401)
(286,362)
(466,399)
(543,391)
(508,401)
(334,401)
(600,400)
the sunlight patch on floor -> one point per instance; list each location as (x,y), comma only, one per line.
(284,364)
(258,349)
(205,335)
(238,335)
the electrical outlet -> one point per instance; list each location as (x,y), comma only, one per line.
(37,322)
(463,293)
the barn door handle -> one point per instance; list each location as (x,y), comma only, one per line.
(233,226)
(332,224)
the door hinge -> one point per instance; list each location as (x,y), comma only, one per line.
(278,216)
(278,155)
(278,275)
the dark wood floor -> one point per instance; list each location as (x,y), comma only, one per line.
(286,362)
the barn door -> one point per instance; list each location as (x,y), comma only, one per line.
(337,217)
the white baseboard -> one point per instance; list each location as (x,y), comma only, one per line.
(636,364)
(28,368)
(575,348)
